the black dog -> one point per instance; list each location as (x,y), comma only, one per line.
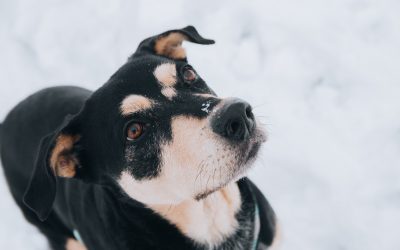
(151,160)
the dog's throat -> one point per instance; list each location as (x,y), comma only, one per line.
(204,195)
(207,221)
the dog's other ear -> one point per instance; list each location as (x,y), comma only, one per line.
(57,157)
(169,44)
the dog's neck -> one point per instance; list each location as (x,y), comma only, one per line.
(207,221)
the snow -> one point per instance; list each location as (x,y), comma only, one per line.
(205,107)
(323,76)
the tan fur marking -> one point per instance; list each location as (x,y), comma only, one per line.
(61,162)
(207,221)
(205,95)
(166,74)
(190,165)
(135,103)
(74,245)
(169,92)
(171,46)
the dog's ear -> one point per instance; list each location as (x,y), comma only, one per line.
(57,157)
(169,44)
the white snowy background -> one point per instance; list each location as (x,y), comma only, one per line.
(324,77)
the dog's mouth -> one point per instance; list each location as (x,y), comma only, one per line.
(233,121)
(259,137)
(244,154)
(253,152)
(249,152)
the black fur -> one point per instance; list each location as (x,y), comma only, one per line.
(92,202)
(1,126)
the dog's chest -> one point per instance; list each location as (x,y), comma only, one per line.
(216,222)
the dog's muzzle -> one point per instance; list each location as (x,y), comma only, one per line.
(234,120)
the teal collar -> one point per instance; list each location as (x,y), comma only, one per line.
(256,226)
(77,236)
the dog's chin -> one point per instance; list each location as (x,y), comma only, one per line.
(248,155)
(251,151)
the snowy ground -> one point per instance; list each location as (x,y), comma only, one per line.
(324,77)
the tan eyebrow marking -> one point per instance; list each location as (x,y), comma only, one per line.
(166,74)
(169,92)
(135,103)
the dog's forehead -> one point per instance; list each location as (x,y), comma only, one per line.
(145,74)
(145,77)
(149,67)
(152,83)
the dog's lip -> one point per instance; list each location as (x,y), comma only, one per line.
(252,153)
(253,148)
(258,138)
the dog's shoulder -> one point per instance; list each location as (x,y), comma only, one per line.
(49,103)
(28,122)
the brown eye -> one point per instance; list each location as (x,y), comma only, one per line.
(189,75)
(135,130)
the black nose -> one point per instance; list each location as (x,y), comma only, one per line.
(234,121)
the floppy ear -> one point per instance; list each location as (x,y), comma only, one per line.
(169,44)
(56,157)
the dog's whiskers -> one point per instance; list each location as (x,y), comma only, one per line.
(213,183)
(259,105)
(201,167)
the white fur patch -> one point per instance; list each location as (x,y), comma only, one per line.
(166,76)
(135,103)
(209,221)
(72,244)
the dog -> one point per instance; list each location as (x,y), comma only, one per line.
(153,159)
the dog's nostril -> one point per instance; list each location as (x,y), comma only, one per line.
(249,113)
(235,120)
(233,127)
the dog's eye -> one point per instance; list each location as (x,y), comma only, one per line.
(135,130)
(189,75)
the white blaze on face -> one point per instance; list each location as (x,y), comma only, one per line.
(166,76)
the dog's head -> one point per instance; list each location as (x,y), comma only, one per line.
(155,128)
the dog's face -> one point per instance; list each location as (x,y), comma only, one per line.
(158,130)
(180,139)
